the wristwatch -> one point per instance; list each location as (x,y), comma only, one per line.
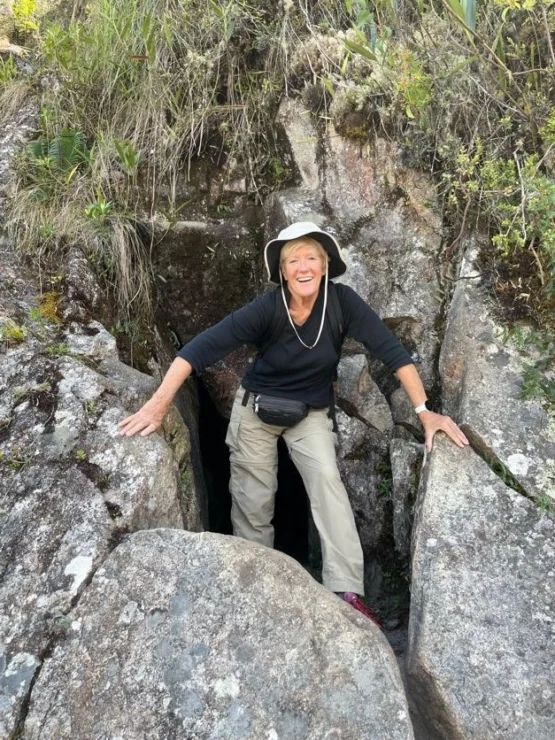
(426,406)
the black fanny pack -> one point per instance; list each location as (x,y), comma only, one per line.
(281,412)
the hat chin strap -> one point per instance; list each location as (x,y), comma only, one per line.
(311,346)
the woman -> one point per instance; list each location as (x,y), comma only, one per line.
(286,392)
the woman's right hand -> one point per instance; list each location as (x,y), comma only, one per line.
(146,420)
(150,416)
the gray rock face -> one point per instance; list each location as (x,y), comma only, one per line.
(16,131)
(70,484)
(303,140)
(405,456)
(481,649)
(482,379)
(361,450)
(392,265)
(358,394)
(207,636)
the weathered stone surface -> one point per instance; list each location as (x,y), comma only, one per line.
(303,140)
(481,649)
(405,459)
(482,379)
(361,179)
(207,636)
(362,459)
(357,176)
(192,267)
(223,378)
(360,396)
(16,131)
(392,265)
(70,483)
(284,207)
(55,530)
(84,298)
(402,411)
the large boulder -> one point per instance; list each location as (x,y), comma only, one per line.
(208,636)
(482,379)
(481,658)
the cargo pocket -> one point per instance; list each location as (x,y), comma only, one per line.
(232,433)
(232,436)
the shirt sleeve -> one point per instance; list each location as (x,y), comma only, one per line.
(247,325)
(363,324)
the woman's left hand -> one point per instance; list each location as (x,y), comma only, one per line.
(433,423)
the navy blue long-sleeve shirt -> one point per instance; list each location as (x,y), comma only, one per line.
(287,369)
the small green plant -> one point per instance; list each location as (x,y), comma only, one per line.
(81,455)
(12,333)
(91,408)
(60,155)
(546,503)
(58,350)
(47,230)
(385,483)
(413,84)
(20,393)
(100,210)
(129,157)
(16,458)
(5,422)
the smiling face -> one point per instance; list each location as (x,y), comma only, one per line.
(303,268)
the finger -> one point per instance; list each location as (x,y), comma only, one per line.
(456,433)
(125,428)
(150,428)
(457,436)
(127,420)
(137,426)
(429,438)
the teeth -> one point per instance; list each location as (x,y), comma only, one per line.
(304,280)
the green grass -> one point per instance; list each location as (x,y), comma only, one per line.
(141,90)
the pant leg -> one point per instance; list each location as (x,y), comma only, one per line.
(312,449)
(253,460)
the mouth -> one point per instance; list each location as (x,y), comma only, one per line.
(304,279)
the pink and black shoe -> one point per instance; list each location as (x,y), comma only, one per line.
(355,601)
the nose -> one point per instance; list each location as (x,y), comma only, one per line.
(303,265)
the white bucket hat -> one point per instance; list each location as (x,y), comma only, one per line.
(272,250)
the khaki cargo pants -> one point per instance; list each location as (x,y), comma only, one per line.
(254,462)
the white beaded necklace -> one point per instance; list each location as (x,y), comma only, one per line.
(323,310)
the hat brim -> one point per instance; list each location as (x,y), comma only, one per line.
(336,264)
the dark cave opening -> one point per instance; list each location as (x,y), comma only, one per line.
(294,534)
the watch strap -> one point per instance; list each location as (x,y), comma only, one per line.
(425,406)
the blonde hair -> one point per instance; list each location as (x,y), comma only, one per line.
(302,241)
